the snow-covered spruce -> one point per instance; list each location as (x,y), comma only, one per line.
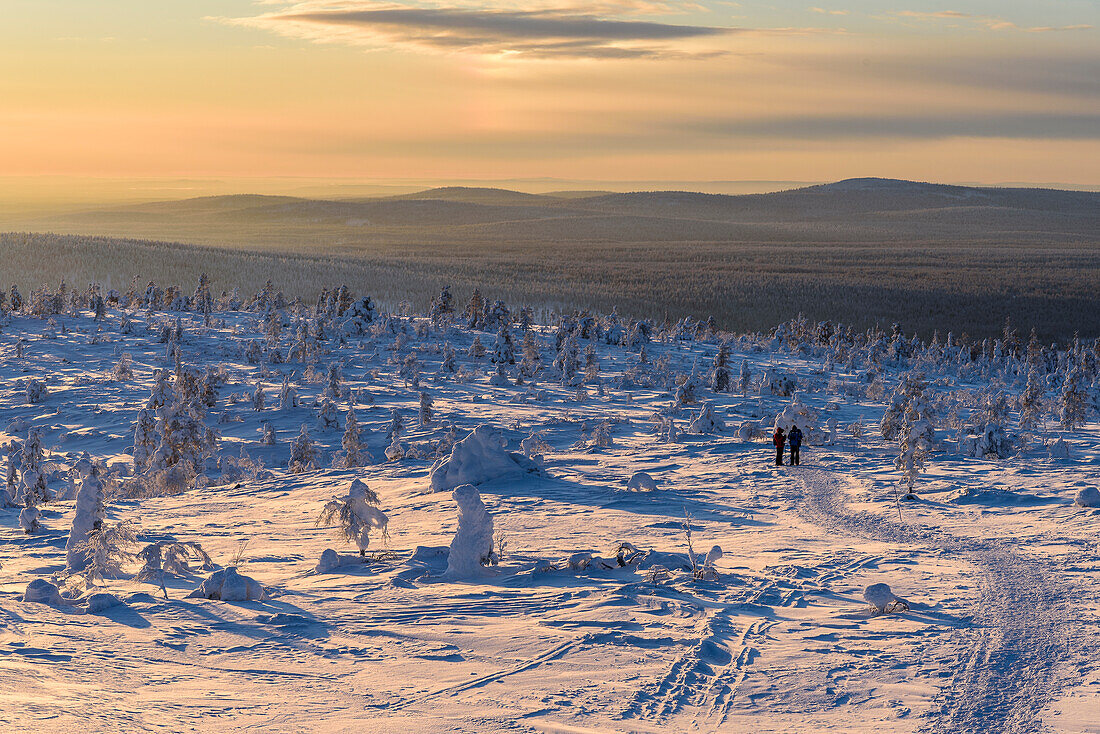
(478,458)
(472,547)
(87,516)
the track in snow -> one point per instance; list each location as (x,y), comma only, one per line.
(1025,643)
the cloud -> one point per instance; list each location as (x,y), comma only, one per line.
(826,11)
(1010,125)
(988,22)
(568,32)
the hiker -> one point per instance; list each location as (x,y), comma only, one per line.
(795,439)
(778,439)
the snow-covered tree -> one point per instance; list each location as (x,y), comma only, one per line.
(1031,400)
(332,386)
(916,438)
(910,388)
(566,361)
(504,351)
(145,438)
(106,548)
(477,349)
(744,379)
(447,365)
(472,547)
(427,412)
(88,516)
(1073,402)
(36,391)
(442,307)
(591,363)
(30,516)
(396,427)
(475,311)
(352,442)
(720,379)
(327,416)
(304,454)
(529,365)
(162,392)
(184,440)
(203,301)
(33,479)
(288,396)
(410,372)
(355,515)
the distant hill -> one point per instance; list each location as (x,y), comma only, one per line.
(855,202)
(862,251)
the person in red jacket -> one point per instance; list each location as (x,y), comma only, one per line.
(778,439)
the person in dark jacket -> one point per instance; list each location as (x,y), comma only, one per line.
(778,439)
(795,439)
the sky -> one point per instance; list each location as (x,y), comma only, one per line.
(977,91)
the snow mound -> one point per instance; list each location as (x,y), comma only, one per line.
(478,458)
(641,482)
(472,546)
(883,600)
(101,601)
(330,560)
(229,585)
(1087,497)
(42,591)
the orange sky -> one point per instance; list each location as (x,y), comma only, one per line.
(622,90)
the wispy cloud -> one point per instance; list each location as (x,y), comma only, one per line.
(986,21)
(605,30)
(1009,125)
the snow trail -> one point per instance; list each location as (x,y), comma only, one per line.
(1015,660)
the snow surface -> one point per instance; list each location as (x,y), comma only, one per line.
(1004,585)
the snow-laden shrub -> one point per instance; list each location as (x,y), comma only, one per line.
(36,392)
(106,549)
(472,547)
(229,585)
(355,515)
(1059,449)
(478,458)
(171,557)
(991,443)
(749,430)
(707,421)
(775,383)
(29,516)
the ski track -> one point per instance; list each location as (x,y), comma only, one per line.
(1018,656)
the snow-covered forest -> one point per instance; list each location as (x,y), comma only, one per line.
(227,506)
